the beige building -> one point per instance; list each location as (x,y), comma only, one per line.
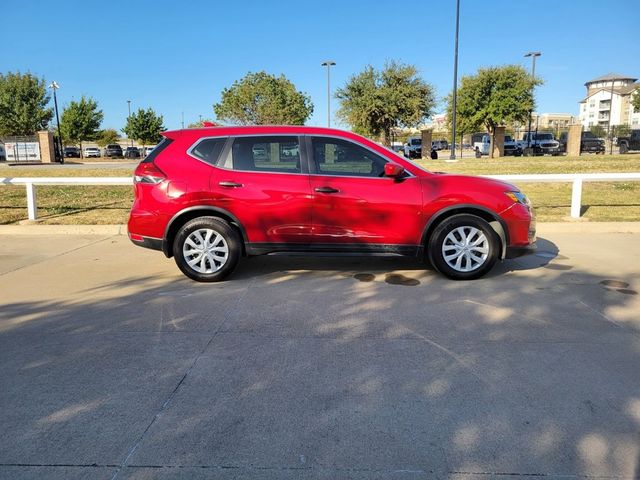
(608,101)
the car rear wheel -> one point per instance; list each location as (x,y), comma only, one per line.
(207,249)
(463,247)
(624,148)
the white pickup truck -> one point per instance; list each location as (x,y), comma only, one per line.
(541,143)
(511,147)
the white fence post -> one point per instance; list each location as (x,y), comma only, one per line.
(32,207)
(576,198)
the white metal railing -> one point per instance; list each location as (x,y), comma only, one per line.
(576,179)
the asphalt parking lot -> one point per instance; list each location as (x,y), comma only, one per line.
(113,365)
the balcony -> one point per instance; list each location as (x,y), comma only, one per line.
(604,106)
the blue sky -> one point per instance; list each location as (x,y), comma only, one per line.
(178,56)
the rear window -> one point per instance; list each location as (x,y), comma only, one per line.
(208,149)
(156,151)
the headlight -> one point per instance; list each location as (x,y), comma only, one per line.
(518,197)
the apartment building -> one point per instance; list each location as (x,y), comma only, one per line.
(608,101)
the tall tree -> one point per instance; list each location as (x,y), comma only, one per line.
(144,126)
(374,102)
(635,99)
(81,121)
(263,99)
(106,137)
(23,104)
(494,96)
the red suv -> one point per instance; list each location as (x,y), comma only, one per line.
(209,196)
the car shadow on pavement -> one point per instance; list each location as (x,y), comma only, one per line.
(298,369)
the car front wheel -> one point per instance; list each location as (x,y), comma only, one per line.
(463,247)
(207,249)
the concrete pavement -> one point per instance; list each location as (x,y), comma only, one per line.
(113,365)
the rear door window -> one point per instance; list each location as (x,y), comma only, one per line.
(275,154)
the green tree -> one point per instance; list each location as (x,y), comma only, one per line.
(374,102)
(23,104)
(200,123)
(635,100)
(107,137)
(81,121)
(263,99)
(144,126)
(494,96)
(598,130)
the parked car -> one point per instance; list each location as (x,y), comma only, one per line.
(148,150)
(540,143)
(511,147)
(113,151)
(632,142)
(71,152)
(413,147)
(92,152)
(440,145)
(206,198)
(132,152)
(588,143)
(3,153)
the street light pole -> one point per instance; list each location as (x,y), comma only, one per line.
(129,117)
(452,157)
(533,56)
(328,64)
(54,86)
(613,81)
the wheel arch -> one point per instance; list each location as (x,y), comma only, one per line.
(183,216)
(497,223)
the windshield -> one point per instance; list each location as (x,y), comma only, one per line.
(543,136)
(507,138)
(416,141)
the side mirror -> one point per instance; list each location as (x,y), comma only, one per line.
(393,170)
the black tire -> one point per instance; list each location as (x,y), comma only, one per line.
(449,226)
(207,270)
(624,148)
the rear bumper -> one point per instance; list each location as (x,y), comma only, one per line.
(515,252)
(146,242)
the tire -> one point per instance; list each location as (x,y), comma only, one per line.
(462,266)
(624,148)
(220,238)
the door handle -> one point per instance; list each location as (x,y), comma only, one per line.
(327,190)
(229,184)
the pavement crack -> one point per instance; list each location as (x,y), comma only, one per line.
(173,393)
(31,264)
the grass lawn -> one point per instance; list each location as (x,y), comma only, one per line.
(616,201)
(604,202)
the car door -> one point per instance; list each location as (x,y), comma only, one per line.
(263,181)
(354,203)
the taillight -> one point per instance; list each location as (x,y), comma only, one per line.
(148,173)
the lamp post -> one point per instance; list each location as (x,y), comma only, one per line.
(533,56)
(54,86)
(613,82)
(129,117)
(328,64)
(452,157)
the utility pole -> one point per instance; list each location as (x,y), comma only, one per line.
(533,56)
(54,86)
(129,117)
(452,157)
(613,81)
(328,64)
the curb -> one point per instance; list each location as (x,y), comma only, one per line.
(542,228)
(63,229)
